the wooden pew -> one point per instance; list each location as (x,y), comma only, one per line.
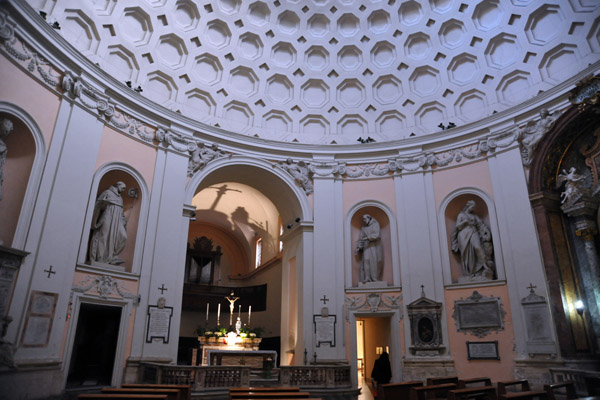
(441,380)
(569,392)
(172,394)
(263,389)
(482,392)
(399,391)
(525,395)
(431,391)
(105,396)
(186,390)
(269,395)
(474,382)
(521,384)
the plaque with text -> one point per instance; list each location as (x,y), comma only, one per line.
(324,330)
(483,350)
(159,323)
(479,315)
(38,323)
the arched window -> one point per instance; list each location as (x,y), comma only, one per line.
(258,253)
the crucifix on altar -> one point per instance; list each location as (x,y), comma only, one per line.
(232,301)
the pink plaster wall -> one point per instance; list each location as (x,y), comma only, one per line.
(497,370)
(116,146)
(17,88)
(30,95)
(475,175)
(381,190)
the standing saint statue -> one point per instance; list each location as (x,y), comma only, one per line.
(473,239)
(6,127)
(109,227)
(369,246)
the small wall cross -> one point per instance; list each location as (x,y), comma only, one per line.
(324,299)
(49,271)
(162,288)
(531,287)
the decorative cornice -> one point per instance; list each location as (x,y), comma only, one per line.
(105,286)
(372,302)
(16,47)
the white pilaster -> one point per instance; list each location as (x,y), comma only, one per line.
(520,246)
(57,223)
(420,262)
(328,260)
(164,255)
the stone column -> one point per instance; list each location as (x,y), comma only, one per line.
(583,213)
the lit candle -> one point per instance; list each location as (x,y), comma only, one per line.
(249,312)
(206,312)
(218,313)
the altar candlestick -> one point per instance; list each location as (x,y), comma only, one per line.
(207,312)
(239,311)
(249,312)
(218,314)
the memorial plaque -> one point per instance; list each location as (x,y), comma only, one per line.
(479,315)
(483,350)
(159,323)
(324,329)
(38,323)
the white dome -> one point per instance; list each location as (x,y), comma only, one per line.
(326,71)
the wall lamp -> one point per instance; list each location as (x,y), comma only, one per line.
(579,307)
(289,226)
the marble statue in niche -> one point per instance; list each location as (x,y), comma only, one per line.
(109,227)
(6,127)
(370,249)
(473,240)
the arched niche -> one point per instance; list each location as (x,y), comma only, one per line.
(20,155)
(135,199)
(449,211)
(385,225)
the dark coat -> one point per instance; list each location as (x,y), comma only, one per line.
(382,371)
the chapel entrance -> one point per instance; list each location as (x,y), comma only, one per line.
(93,354)
(372,338)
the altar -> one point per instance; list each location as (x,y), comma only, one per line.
(257,359)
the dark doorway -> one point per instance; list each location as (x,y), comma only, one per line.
(94,347)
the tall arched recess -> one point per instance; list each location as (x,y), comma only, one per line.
(564,231)
(284,274)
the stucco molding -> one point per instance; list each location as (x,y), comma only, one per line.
(105,286)
(372,303)
(16,47)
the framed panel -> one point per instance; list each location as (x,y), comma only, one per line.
(483,350)
(38,322)
(324,329)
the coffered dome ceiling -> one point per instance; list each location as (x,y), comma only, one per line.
(323,71)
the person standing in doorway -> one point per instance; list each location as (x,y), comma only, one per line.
(381,374)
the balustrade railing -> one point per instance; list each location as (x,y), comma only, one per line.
(215,377)
(317,376)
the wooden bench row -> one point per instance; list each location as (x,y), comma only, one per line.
(142,392)
(452,388)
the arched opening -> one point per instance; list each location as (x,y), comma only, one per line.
(563,183)
(231,218)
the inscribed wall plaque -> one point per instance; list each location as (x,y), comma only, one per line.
(38,323)
(324,329)
(159,323)
(479,315)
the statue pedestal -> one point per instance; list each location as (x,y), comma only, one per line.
(372,285)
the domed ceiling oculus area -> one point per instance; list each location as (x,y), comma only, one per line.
(331,71)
